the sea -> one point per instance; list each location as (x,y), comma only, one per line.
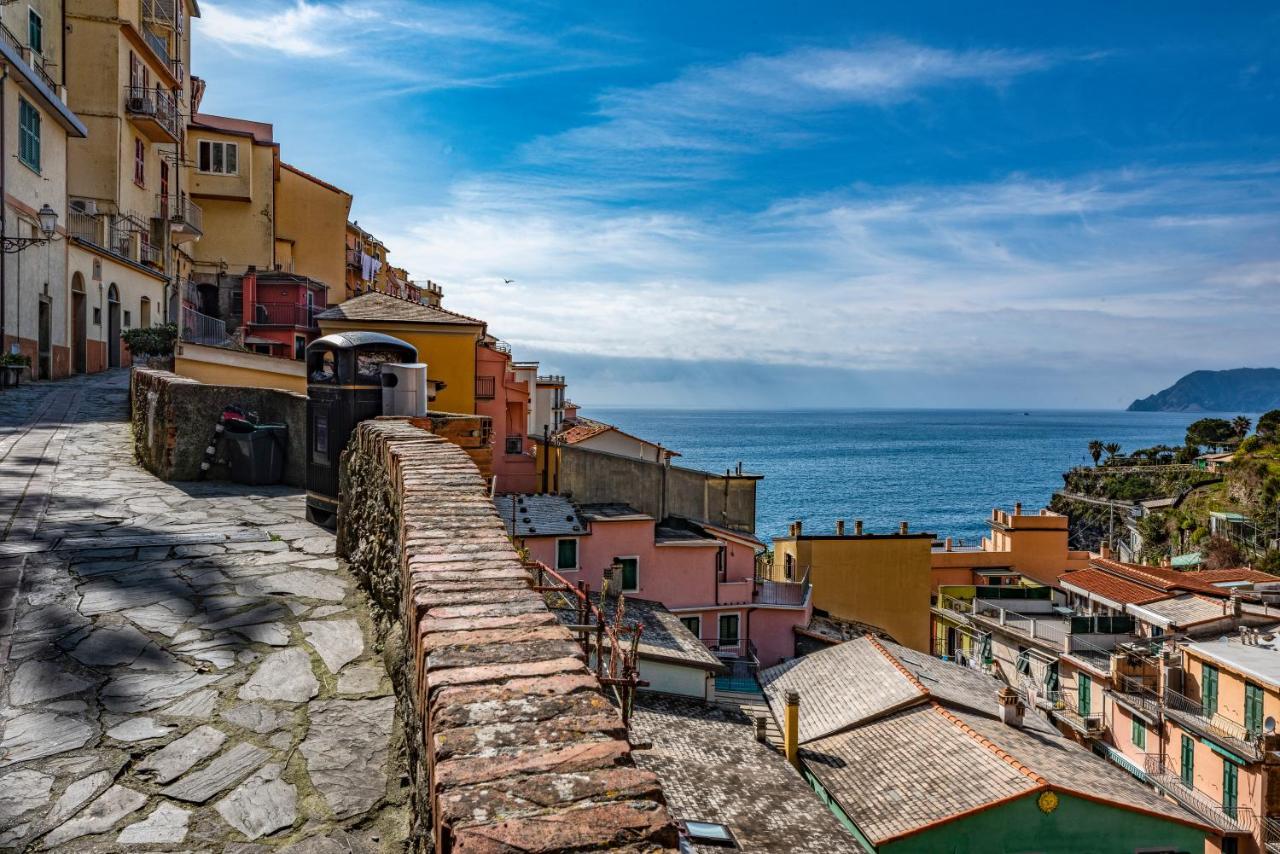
(939,470)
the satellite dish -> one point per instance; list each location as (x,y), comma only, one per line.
(1269,725)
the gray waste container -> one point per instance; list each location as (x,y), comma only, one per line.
(255,452)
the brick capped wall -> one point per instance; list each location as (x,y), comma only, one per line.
(513,746)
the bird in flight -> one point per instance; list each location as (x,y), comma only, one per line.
(508,281)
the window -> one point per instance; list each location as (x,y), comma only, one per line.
(1187,773)
(299,347)
(789,567)
(139,162)
(728,629)
(722,563)
(709,833)
(1209,690)
(693,624)
(28,134)
(1084,702)
(1024,662)
(35,30)
(97,316)
(567,554)
(219,158)
(1253,709)
(1230,787)
(630,573)
(1139,734)
(128,319)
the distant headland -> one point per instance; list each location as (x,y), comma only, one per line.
(1236,390)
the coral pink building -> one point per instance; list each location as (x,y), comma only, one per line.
(506,401)
(703,573)
(280,312)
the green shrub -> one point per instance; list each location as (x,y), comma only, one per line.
(151,340)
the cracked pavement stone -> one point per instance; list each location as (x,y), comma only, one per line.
(43,680)
(262,804)
(225,771)
(257,717)
(178,756)
(77,795)
(167,823)
(21,792)
(36,734)
(284,675)
(99,817)
(336,641)
(346,751)
(138,729)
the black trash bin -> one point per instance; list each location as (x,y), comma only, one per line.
(255,452)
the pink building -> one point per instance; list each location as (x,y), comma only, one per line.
(280,312)
(702,573)
(506,401)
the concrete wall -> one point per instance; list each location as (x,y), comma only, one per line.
(511,742)
(312,216)
(590,476)
(221,366)
(174,417)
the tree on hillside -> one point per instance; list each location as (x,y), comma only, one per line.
(1096,448)
(1112,448)
(1240,424)
(1220,553)
(1269,426)
(1212,432)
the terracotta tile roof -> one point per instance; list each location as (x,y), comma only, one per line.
(262,132)
(375,306)
(1111,587)
(1162,577)
(1239,573)
(581,429)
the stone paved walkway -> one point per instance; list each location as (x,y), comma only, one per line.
(183,667)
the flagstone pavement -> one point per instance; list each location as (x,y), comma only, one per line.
(183,666)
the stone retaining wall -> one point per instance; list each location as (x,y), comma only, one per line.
(173,420)
(513,745)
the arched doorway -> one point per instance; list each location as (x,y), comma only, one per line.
(79,325)
(113,326)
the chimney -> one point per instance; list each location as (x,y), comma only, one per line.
(762,729)
(950,543)
(1237,608)
(857,527)
(1017,508)
(1011,708)
(902,529)
(1105,551)
(839,527)
(799,527)
(791,727)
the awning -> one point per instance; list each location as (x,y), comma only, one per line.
(1223,752)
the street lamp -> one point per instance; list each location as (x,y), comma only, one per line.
(48,227)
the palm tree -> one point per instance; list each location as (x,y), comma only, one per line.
(1112,448)
(1095,450)
(1240,424)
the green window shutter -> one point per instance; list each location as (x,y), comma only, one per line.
(1139,734)
(1084,700)
(28,134)
(1230,788)
(567,554)
(728,629)
(35,31)
(1253,709)
(1209,690)
(1187,773)
(630,573)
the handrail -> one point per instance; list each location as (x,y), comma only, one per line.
(1236,820)
(1218,722)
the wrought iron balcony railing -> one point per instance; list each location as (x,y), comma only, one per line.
(284,314)
(792,593)
(202,329)
(156,104)
(1231,819)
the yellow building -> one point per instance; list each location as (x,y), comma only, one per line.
(446,341)
(311,226)
(879,579)
(131,221)
(38,314)
(1033,545)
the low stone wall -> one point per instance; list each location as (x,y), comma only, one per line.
(513,746)
(174,417)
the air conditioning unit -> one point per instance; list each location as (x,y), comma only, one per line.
(138,105)
(88,207)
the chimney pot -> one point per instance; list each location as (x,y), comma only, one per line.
(839,527)
(799,527)
(950,543)
(1017,508)
(857,527)
(902,528)
(791,727)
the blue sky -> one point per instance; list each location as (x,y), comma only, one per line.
(767,204)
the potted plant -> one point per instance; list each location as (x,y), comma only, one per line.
(11,367)
(149,343)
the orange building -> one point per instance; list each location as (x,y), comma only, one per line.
(1033,546)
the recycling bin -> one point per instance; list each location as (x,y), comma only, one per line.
(344,387)
(255,452)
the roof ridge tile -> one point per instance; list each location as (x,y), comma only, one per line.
(990,745)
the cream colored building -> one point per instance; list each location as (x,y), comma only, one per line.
(35,306)
(131,219)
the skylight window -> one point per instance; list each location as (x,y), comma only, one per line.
(709,833)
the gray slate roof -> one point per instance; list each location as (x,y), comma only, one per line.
(1183,610)
(539,516)
(663,637)
(384,307)
(713,769)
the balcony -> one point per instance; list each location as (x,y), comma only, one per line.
(353,258)
(161,13)
(1138,693)
(33,60)
(486,388)
(155,112)
(158,44)
(285,314)
(793,594)
(200,328)
(151,255)
(186,218)
(85,227)
(1232,821)
(1232,735)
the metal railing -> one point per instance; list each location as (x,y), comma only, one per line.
(738,647)
(34,60)
(200,328)
(151,254)
(180,210)
(284,314)
(486,388)
(1194,712)
(155,103)
(157,43)
(1235,819)
(793,593)
(86,227)
(353,258)
(161,12)
(514,445)
(551,379)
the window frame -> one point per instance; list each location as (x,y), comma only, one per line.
(720,618)
(1208,690)
(577,554)
(28,138)
(34,17)
(1187,767)
(209,145)
(139,162)
(1138,734)
(1253,708)
(1084,694)
(622,584)
(696,618)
